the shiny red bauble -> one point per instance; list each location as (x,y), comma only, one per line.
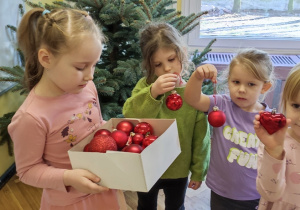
(216,118)
(174,101)
(102,132)
(272,121)
(135,148)
(143,128)
(101,143)
(149,140)
(137,138)
(125,126)
(120,137)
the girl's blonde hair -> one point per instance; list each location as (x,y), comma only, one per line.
(291,87)
(59,31)
(257,62)
(155,36)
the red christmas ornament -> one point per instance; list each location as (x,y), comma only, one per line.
(125,126)
(143,128)
(86,148)
(149,140)
(272,121)
(120,137)
(174,101)
(102,143)
(135,148)
(102,132)
(137,138)
(216,117)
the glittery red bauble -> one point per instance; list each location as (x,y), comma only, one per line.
(120,137)
(125,126)
(135,148)
(216,117)
(86,148)
(143,128)
(174,101)
(137,138)
(102,143)
(149,140)
(102,132)
(272,121)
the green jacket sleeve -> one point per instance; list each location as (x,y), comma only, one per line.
(141,104)
(200,148)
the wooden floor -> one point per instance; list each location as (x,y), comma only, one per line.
(16,195)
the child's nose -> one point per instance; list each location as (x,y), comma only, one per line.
(167,68)
(89,74)
(242,88)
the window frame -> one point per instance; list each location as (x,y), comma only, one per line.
(275,46)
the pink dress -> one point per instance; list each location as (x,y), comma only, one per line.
(278,181)
(43,130)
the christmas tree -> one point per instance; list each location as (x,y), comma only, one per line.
(119,68)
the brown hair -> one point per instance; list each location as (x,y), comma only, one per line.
(257,62)
(59,30)
(291,87)
(159,35)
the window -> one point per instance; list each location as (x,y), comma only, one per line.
(271,25)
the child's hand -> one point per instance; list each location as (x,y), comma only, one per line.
(163,84)
(206,71)
(84,181)
(194,184)
(273,143)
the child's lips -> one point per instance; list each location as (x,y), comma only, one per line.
(243,99)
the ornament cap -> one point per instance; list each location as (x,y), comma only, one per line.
(215,108)
(273,111)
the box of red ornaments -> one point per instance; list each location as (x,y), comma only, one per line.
(128,169)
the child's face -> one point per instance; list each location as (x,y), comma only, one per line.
(70,72)
(293,113)
(165,60)
(245,89)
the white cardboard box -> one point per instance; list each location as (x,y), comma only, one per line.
(131,171)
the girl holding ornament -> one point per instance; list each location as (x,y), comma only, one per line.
(164,59)
(61,50)
(279,154)
(232,170)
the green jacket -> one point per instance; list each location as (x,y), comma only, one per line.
(192,126)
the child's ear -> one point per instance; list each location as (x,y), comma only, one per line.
(44,58)
(266,87)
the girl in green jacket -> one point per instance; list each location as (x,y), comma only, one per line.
(165,60)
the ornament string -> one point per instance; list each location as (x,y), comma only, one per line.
(215,92)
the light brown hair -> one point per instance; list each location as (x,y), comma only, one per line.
(291,88)
(59,30)
(155,36)
(257,62)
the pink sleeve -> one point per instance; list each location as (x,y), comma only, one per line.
(271,180)
(29,141)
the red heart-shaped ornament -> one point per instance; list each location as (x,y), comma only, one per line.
(272,121)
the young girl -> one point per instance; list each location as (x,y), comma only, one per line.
(61,50)
(232,170)
(164,60)
(278,179)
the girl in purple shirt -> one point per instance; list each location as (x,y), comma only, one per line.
(233,163)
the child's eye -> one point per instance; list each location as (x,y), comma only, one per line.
(81,68)
(171,59)
(236,82)
(296,106)
(251,84)
(157,65)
